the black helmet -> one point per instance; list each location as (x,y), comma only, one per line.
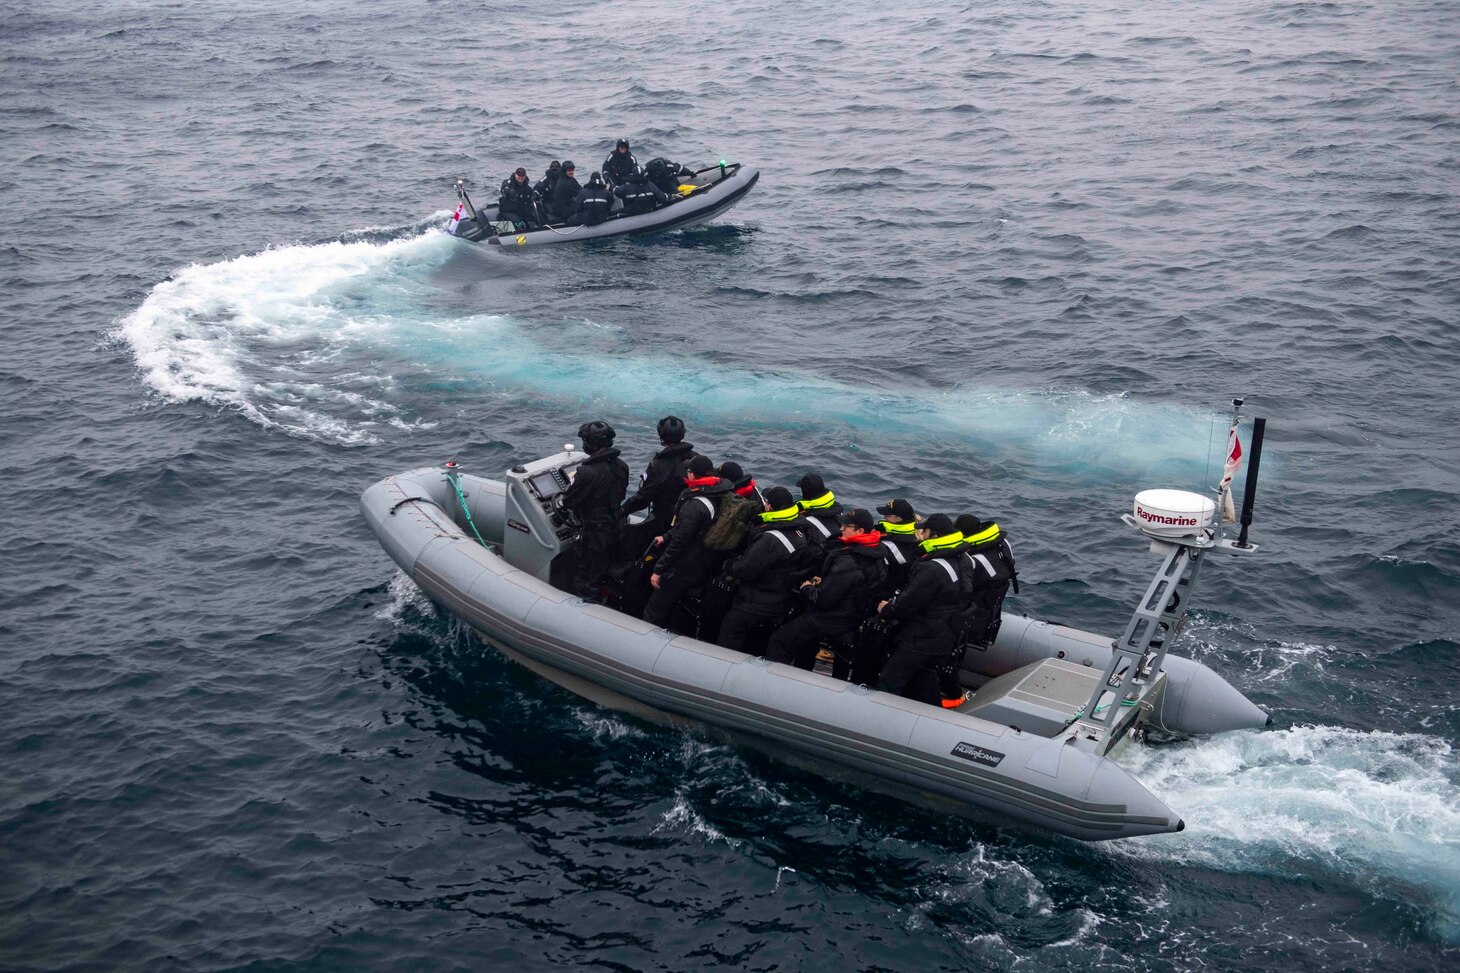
(596,435)
(671,429)
(568,165)
(555,166)
(622,144)
(595,179)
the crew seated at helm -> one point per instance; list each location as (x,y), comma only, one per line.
(593,204)
(639,194)
(516,202)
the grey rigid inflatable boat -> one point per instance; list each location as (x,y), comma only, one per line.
(1034,744)
(716,189)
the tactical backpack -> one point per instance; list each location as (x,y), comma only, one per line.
(732,522)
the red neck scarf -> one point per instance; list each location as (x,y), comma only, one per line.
(746,490)
(694,482)
(870,538)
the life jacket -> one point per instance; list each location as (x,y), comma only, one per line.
(990,551)
(947,542)
(778,516)
(818,503)
(825,506)
(807,557)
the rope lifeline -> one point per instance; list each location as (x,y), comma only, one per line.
(455,485)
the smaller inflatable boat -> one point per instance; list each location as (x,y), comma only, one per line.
(709,193)
(1035,743)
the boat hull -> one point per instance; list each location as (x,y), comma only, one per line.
(941,757)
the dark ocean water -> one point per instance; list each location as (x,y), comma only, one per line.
(1007,256)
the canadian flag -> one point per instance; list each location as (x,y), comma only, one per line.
(1234,462)
(455,219)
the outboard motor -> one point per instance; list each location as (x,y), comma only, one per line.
(466,222)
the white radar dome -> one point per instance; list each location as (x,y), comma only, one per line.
(1173,513)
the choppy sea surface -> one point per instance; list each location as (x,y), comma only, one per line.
(1010,257)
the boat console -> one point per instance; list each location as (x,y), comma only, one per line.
(535,530)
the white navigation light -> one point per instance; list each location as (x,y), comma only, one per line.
(1173,513)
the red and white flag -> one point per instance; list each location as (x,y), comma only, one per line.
(455,219)
(1234,463)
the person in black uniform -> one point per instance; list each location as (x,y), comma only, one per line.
(543,188)
(991,558)
(899,540)
(668,175)
(819,507)
(765,574)
(593,498)
(683,563)
(741,482)
(516,202)
(593,203)
(839,597)
(639,194)
(660,484)
(936,588)
(873,642)
(989,564)
(565,194)
(620,164)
